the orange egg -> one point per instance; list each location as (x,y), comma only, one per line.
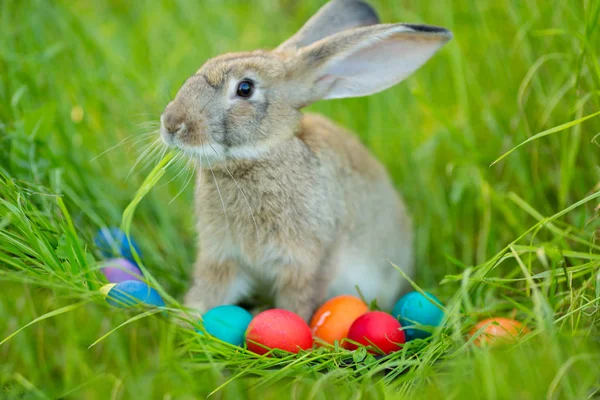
(333,319)
(498,330)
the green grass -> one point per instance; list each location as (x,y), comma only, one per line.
(82,84)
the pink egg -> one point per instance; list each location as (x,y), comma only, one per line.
(278,329)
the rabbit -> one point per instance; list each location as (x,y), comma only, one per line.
(291,204)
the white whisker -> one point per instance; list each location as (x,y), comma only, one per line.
(218,190)
(187,182)
(163,152)
(197,166)
(156,149)
(150,148)
(243,195)
(178,157)
(122,142)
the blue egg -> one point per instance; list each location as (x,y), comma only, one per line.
(131,293)
(416,309)
(112,242)
(227,323)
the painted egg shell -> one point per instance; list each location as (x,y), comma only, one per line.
(416,309)
(498,331)
(112,242)
(106,289)
(376,328)
(278,329)
(130,293)
(227,323)
(120,269)
(333,319)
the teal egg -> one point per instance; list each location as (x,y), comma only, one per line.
(227,323)
(416,309)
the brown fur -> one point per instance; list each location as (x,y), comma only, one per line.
(286,203)
(321,134)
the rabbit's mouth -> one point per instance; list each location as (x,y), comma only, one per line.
(171,129)
(210,154)
(169,136)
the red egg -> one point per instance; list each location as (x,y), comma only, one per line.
(376,328)
(278,329)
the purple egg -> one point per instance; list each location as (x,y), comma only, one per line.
(119,270)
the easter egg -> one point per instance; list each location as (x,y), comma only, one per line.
(130,293)
(278,329)
(106,289)
(112,242)
(227,323)
(497,331)
(333,319)
(120,269)
(376,328)
(416,309)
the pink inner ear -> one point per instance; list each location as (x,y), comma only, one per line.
(326,80)
(380,64)
(324,85)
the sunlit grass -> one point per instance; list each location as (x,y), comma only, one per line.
(494,144)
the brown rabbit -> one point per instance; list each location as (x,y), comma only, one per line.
(291,204)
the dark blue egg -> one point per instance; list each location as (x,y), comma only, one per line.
(112,242)
(131,293)
(227,323)
(416,309)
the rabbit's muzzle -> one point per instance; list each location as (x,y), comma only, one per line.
(177,129)
(172,123)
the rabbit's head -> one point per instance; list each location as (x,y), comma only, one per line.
(240,105)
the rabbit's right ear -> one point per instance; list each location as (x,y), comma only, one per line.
(360,61)
(335,16)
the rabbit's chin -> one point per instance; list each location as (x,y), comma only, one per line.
(211,154)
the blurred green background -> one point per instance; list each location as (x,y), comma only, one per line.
(83,83)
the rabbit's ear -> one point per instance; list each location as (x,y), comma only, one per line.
(362,61)
(335,16)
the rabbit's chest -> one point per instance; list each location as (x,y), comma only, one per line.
(236,210)
(260,220)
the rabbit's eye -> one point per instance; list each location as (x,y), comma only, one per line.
(245,89)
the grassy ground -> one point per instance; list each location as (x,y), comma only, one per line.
(518,238)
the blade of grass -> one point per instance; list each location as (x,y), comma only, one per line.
(547,132)
(51,314)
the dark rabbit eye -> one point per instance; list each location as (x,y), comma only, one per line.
(245,89)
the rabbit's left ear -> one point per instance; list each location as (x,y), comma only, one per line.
(335,16)
(362,61)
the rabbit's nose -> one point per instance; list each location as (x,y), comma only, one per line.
(172,121)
